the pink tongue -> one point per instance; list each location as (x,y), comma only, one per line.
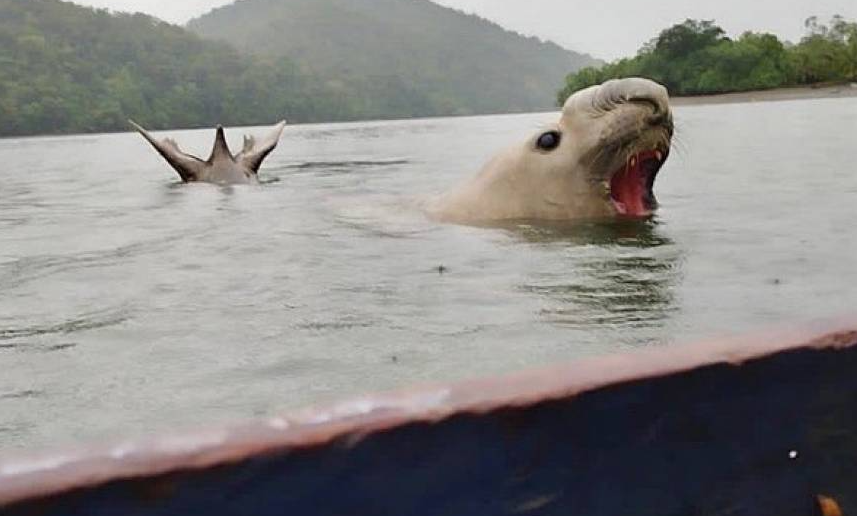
(628,189)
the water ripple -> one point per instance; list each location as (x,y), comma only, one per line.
(37,347)
(78,324)
(20,395)
(346,166)
(21,271)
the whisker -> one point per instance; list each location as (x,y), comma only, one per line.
(679,145)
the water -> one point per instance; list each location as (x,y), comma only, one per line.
(131,304)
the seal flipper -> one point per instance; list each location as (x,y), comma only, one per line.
(221,148)
(188,167)
(255,153)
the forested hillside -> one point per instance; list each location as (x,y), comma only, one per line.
(400,57)
(65,68)
(696,57)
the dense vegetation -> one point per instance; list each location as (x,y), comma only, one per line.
(65,68)
(400,57)
(696,57)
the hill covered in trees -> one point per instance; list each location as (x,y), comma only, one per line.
(400,57)
(696,57)
(65,68)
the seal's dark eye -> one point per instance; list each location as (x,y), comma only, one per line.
(548,141)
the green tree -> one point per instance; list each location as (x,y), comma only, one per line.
(687,38)
(696,57)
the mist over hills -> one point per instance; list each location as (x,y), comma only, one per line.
(66,68)
(400,57)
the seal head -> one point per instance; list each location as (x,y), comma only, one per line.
(599,160)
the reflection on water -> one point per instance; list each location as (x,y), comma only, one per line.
(619,273)
(622,232)
(130,302)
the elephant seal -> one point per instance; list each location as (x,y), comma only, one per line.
(600,160)
(222,167)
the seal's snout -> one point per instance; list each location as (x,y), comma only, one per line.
(615,93)
(653,96)
(661,114)
(639,88)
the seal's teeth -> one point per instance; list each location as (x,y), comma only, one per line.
(605,186)
(659,155)
(633,161)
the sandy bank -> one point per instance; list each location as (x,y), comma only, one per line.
(806,92)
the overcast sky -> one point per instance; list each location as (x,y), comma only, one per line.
(605,29)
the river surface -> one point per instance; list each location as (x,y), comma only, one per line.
(130,303)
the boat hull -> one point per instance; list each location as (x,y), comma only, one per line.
(759,426)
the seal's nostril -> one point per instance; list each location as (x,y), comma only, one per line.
(662,120)
(660,117)
(650,102)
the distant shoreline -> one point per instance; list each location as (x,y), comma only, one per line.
(846,90)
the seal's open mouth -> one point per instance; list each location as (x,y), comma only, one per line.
(631,185)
